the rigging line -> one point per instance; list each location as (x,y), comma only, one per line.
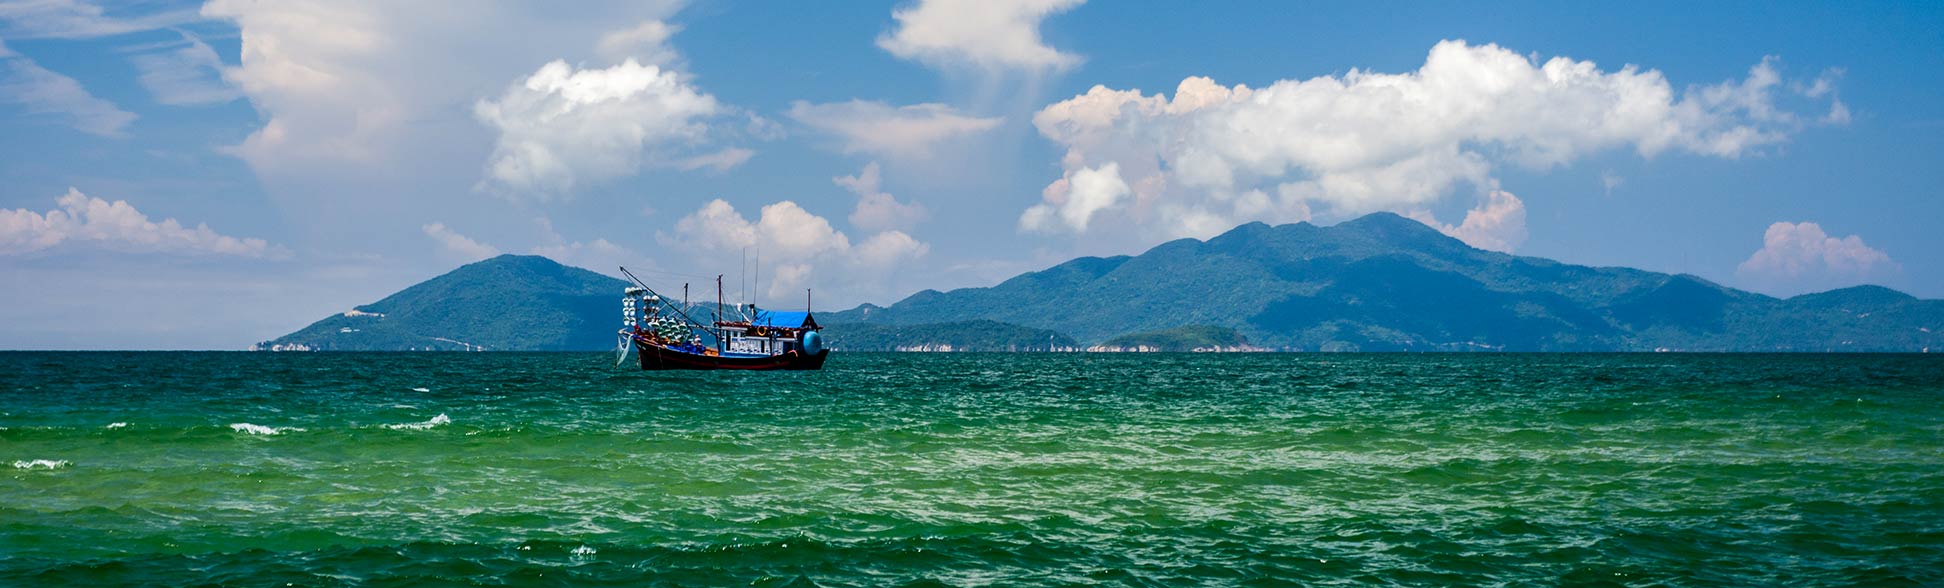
(664,300)
(669,273)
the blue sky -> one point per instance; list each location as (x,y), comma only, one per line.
(187,175)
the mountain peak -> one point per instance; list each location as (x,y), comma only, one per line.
(1390,224)
(1397,231)
(508,302)
(515,260)
(1867,294)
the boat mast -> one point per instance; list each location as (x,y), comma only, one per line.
(719,316)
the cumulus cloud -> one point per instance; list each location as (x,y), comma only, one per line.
(889,131)
(1497,224)
(799,249)
(40,91)
(118,226)
(985,34)
(1073,201)
(1213,156)
(1798,257)
(877,209)
(457,246)
(184,74)
(370,83)
(563,126)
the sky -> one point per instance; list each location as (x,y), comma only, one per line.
(209,175)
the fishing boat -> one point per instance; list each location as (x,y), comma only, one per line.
(664,336)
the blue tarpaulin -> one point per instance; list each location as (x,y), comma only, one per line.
(783,319)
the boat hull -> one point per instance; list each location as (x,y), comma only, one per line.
(656,357)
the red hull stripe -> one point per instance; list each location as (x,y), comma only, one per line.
(656,357)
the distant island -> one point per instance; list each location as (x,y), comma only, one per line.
(1378,283)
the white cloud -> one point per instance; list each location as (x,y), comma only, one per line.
(646,43)
(887,131)
(561,127)
(877,209)
(1798,257)
(1497,224)
(798,249)
(986,34)
(1839,114)
(117,226)
(887,248)
(185,74)
(458,246)
(71,19)
(1825,85)
(370,85)
(719,161)
(1073,201)
(1215,156)
(40,91)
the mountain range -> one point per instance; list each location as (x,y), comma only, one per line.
(1377,283)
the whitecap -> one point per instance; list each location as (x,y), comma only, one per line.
(584,550)
(117,425)
(421,389)
(47,464)
(260,429)
(442,419)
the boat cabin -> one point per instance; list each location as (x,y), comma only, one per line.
(767,332)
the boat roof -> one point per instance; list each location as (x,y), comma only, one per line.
(783,319)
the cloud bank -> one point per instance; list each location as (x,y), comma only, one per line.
(1800,257)
(118,226)
(1213,156)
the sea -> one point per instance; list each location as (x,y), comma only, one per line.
(560,469)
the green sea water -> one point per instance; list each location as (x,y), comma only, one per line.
(182,469)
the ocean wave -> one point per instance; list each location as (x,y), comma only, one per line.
(41,464)
(116,425)
(442,419)
(262,430)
